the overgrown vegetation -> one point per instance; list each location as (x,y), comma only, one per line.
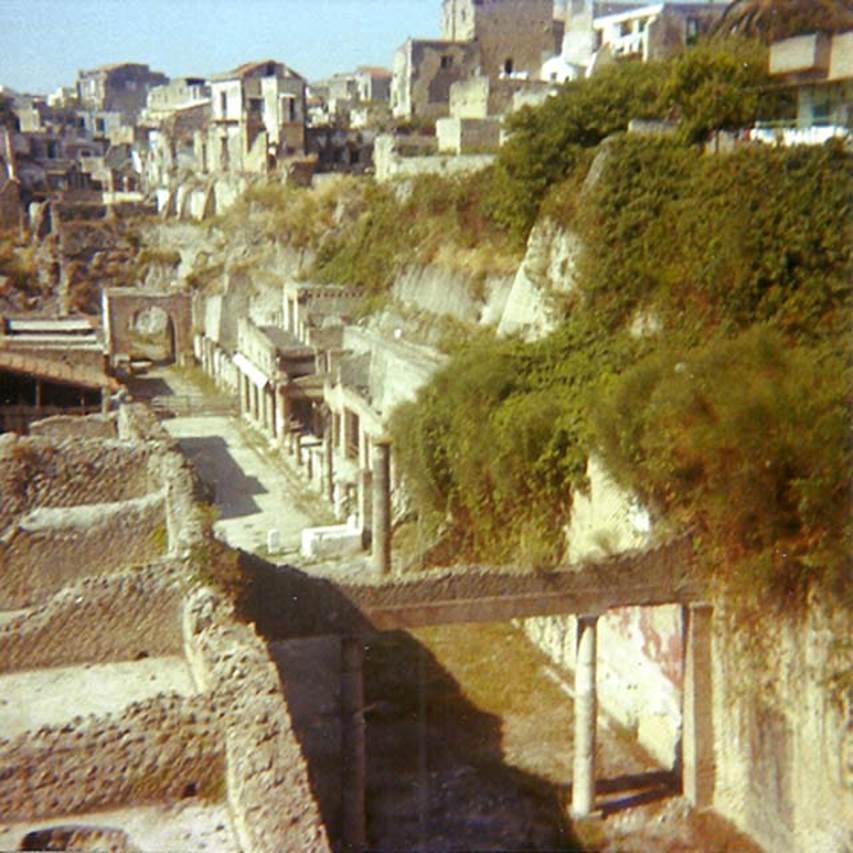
(727,409)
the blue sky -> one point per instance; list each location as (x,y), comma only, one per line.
(43,43)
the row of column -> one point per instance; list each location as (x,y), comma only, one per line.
(259,403)
(697,757)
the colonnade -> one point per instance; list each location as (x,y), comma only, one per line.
(697,751)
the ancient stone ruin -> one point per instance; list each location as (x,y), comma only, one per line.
(162,723)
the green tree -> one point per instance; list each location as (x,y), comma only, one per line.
(721,86)
(547,142)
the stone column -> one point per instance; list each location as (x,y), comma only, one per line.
(38,394)
(382,506)
(298,448)
(329,465)
(586,711)
(353,754)
(105,400)
(365,505)
(697,743)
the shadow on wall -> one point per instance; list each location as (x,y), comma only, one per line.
(437,777)
(229,487)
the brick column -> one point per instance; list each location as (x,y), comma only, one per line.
(586,712)
(353,751)
(697,744)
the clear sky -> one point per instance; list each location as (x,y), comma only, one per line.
(43,43)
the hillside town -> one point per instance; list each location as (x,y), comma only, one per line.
(451,455)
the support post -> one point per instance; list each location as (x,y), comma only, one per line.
(105,399)
(697,733)
(297,444)
(365,505)
(38,394)
(382,506)
(586,712)
(329,459)
(353,755)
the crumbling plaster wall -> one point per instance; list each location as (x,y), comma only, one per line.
(639,649)
(782,739)
(783,735)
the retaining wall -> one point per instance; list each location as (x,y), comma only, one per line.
(49,548)
(41,472)
(69,426)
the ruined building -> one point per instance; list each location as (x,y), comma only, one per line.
(258,118)
(120,88)
(498,39)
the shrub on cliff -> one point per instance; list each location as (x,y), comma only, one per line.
(493,445)
(739,267)
(759,235)
(432,218)
(546,142)
(746,440)
(722,86)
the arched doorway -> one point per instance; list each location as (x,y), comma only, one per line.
(151,335)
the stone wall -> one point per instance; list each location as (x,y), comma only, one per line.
(267,779)
(40,472)
(50,547)
(464,135)
(159,750)
(389,164)
(98,620)
(70,426)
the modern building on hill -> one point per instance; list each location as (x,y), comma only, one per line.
(598,32)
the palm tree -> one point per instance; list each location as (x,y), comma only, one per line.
(771,20)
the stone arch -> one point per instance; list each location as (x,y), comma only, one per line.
(123,308)
(151,333)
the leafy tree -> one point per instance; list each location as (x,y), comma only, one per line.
(721,86)
(547,142)
(771,20)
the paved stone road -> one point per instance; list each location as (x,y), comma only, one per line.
(254,491)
